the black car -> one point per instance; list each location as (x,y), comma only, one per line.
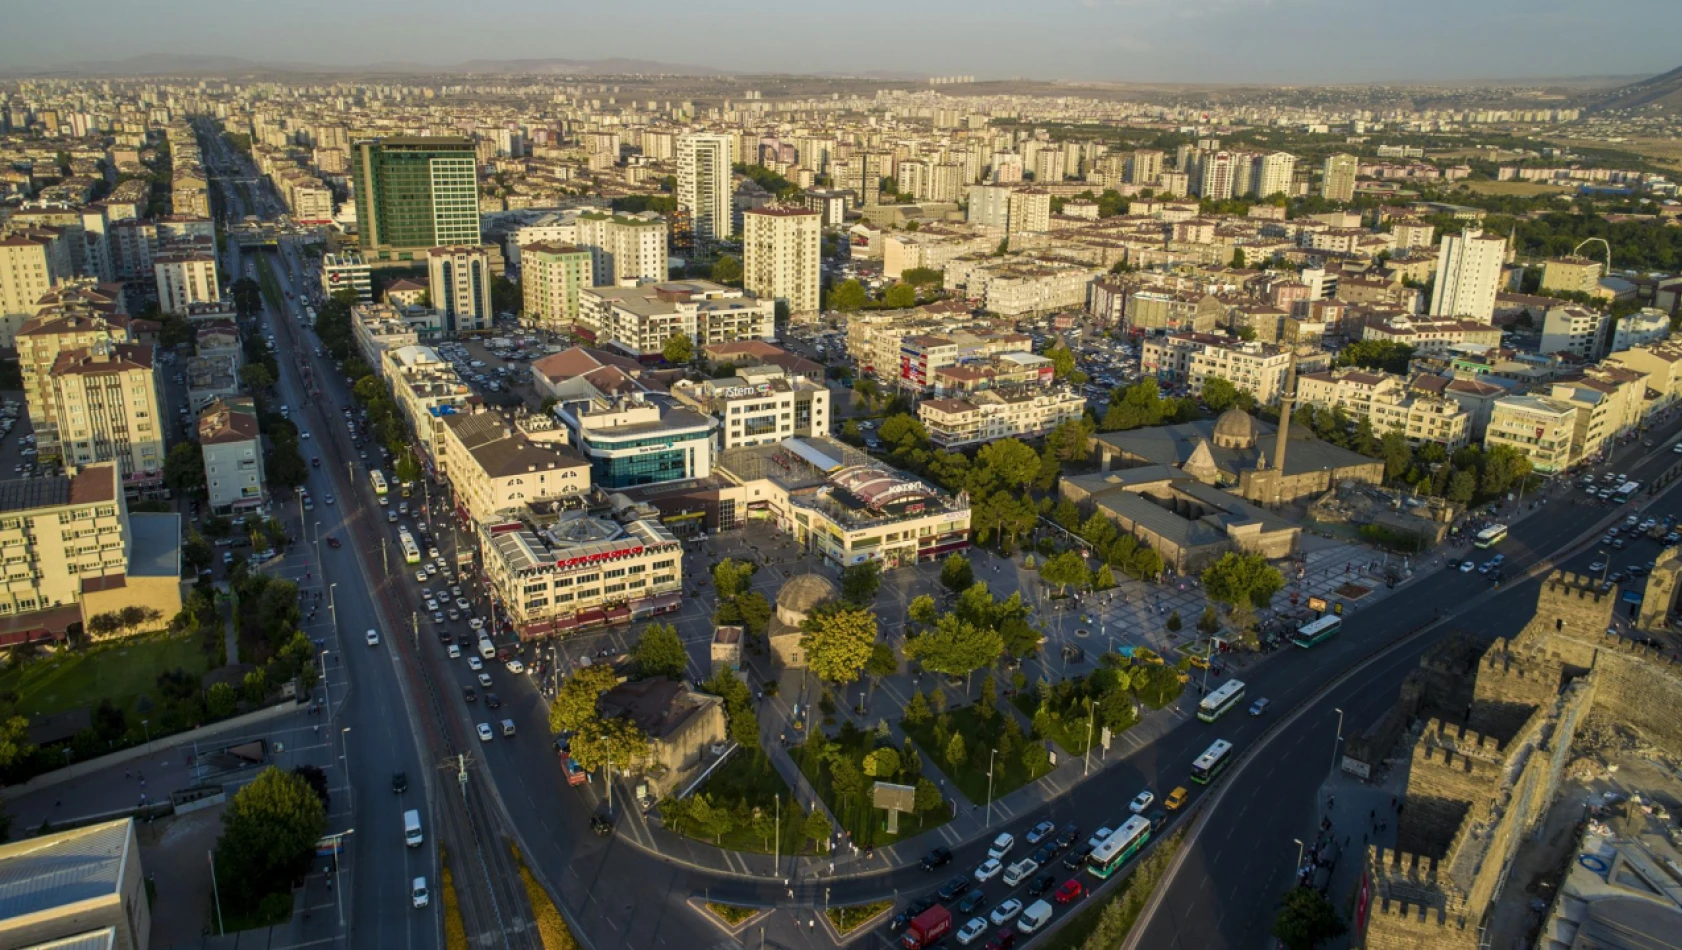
(469,693)
(1158,818)
(952,888)
(493,701)
(1043,856)
(909,913)
(1077,858)
(445,637)
(601,826)
(972,902)
(399,782)
(1068,836)
(936,858)
(1041,884)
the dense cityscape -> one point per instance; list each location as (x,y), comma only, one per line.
(517,505)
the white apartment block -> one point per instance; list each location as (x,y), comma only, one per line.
(347,270)
(1645,327)
(760,405)
(1578,331)
(1010,207)
(1273,174)
(1191,358)
(581,571)
(233,454)
(108,409)
(1541,428)
(623,248)
(59,537)
(703,183)
(377,328)
(1468,275)
(496,469)
(1012,286)
(185,277)
(459,282)
(783,256)
(39,344)
(26,274)
(993,414)
(638,320)
(551,278)
(1386,401)
(426,389)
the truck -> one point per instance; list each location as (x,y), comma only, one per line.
(926,928)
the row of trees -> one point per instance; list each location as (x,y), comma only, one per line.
(738,605)
(597,741)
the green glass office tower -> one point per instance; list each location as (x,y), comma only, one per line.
(414,193)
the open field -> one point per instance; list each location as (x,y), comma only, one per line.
(1521,189)
(1666,152)
(121,671)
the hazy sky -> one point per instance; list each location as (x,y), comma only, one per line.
(1272,41)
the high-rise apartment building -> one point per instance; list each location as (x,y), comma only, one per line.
(623,249)
(233,454)
(185,277)
(1337,180)
(782,256)
(108,409)
(415,193)
(551,275)
(39,344)
(1145,167)
(703,183)
(459,282)
(1468,275)
(1273,174)
(1218,172)
(26,274)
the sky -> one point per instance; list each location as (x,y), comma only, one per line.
(1179,41)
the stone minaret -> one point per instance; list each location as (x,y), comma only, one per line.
(1284,433)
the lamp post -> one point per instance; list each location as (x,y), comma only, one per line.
(327,693)
(1605,564)
(1338,739)
(990,757)
(146,724)
(333,608)
(777,842)
(1091,720)
(338,892)
(1296,869)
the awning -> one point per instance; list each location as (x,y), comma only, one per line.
(618,612)
(593,615)
(565,623)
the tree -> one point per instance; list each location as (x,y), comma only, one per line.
(817,828)
(316,779)
(247,295)
(678,349)
(928,796)
(184,468)
(1066,570)
(1307,919)
(221,700)
(956,647)
(1242,579)
(1009,462)
(197,553)
(860,582)
(845,777)
(902,431)
(731,577)
(1397,454)
(1104,579)
(838,640)
(916,709)
(255,376)
(269,831)
(406,469)
(922,276)
(956,574)
(659,652)
(922,610)
(727,270)
(1376,354)
(14,739)
(900,296)
(956,754)
(574,705)
(1219,394)
(882,662)
(755,611)
(848,296)
(882,763)
(1462,486)
(615,743)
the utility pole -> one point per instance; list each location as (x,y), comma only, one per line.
(1091,719)
(414,623)
(990,756)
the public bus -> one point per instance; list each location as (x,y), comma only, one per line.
(1625,492)
(378,478)
(1216,704)
(1121,845)
(1318,631)
(1491,536)
(411,551)
(1211,762)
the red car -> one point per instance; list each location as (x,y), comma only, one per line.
(1003,940)
(1071,890)
(332,542)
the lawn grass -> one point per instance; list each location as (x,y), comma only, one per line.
(1069,734)
(868,825)
(847,919)
(455,932)
(980,736)
(552,930)
(731,913)
(122,671)
(748,779)
(1521,189)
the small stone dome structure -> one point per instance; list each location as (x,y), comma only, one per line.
(798,598)
(1235,429)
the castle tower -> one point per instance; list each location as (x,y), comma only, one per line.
(1660,597)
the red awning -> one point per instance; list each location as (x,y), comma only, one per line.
(618,612)
(593,615)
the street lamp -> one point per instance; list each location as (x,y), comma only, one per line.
(1605,564)
(344,756)
(1296,869)
(146,724)
(338,892)
(990,757)
(332,608)
(326,693)
(1338,739)
(1091,719)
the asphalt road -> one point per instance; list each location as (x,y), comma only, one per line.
(1226,892)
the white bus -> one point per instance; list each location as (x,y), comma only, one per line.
(1491,536)
(411,551)
(1216,704)
(1318,631)
(1211,762)
(1119,847)
(377,477)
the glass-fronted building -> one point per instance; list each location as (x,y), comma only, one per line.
(414,193)
(632,441)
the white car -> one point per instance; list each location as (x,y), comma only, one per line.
(475,623)
(515,666)
(1006,912)
(485,680)
(1041,831)
(1099,837)
(454,651)
(972,931)
(988,870)
(420,577)
(328,499)
(431,603)
(475,664)
(1001,845)
(462,604)
(418,894)
(1141,802)
(484,730)
(373,638)
(437,616)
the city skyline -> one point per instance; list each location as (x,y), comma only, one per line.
(1193,41)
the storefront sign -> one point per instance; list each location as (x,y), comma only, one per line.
(594,558)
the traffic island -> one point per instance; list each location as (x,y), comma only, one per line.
(730,918)
(854,919)
(552,928)
(455,931)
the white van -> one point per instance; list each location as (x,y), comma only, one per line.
(412,828)
(507,727)
(1018,872)
(487,649)
(1036,916)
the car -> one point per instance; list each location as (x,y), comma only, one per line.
(954,887)
(1176,798)
(1071,890)
(475,623)
(1099,837)
(1141,802)
(1006,912)
(1259,707)
(515,666)
(1040,832)
(971,902)
(475,664)
(988,870)
(1003,940)
(328,499)
(470,694)
(1046,852)
(417,893)
(1468,566)
(1618,544)
(971,931)
(1598,566)
(484,731)
(601,825)
(420,577)
(399,782)
(1001,845)
(333,542)
(372,636)
(454,651)
(485,680)
(462,604)
(493,701)
(1076,859)
(1041,884)
(1157,818)
(1068,836)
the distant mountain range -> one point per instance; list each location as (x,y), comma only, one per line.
(178,64)
(1664,90)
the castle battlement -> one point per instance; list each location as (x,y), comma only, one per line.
(1459,738)
(1567,585)
(1428,757)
